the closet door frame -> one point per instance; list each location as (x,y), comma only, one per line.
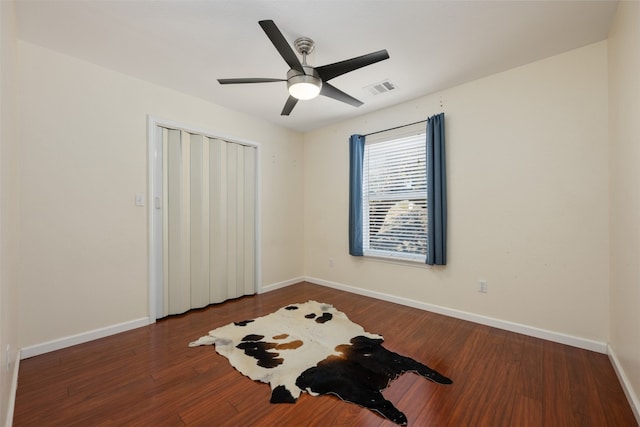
(155,205)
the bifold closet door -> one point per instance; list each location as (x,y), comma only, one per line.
(208,221)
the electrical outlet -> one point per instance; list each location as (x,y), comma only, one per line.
(331,262)
(483,287)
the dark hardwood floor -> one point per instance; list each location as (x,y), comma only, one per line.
(149,377)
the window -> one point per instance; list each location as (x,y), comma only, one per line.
(398,193)
(394,196)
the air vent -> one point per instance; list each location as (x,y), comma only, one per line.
(381,87)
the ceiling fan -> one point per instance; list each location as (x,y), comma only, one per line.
(303,80)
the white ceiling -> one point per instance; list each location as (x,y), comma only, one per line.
(186,45)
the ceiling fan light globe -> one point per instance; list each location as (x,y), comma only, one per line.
(304,91)
(304,87)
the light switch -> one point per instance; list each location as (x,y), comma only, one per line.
(139,199)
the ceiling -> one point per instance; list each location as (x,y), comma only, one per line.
(433,45)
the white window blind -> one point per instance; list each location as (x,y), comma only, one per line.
(395,198)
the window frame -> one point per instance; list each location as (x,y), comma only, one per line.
(408,136)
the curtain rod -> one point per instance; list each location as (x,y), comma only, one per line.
(397,127)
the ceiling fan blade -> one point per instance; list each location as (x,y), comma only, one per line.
(327,72)
(288,106)
(335,93)
(281,44)
(249,80)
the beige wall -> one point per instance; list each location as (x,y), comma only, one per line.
(527,160)
(9,207)
(624,134)
(84,148)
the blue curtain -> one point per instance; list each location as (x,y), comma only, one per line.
(356,162)
(436,192)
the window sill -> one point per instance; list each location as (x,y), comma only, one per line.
(395,260)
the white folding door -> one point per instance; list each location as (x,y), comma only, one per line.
(209,220)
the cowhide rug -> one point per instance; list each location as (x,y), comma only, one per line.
(315,348)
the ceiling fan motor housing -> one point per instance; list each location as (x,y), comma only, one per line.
(304,86)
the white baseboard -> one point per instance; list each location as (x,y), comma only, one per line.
(558,337)
(8,422)
(83,337)
(274,286)
(35,350)
(626,384)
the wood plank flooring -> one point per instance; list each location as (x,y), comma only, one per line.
(149,377)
